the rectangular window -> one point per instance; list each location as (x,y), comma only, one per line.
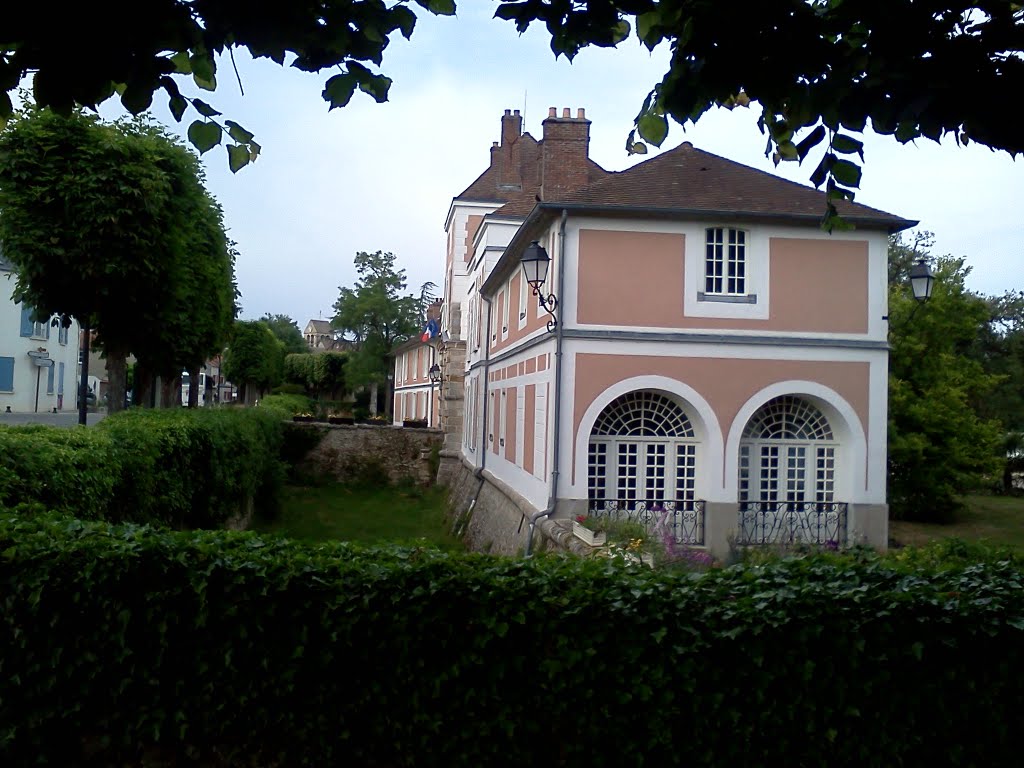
(62,335)
(49,380)
(597,474)
(725,262)
(60,379)
(503,418)
(6,374)
(506,309)
(524,290)
(627,473)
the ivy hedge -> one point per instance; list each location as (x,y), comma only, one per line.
(188,468)
(220,648)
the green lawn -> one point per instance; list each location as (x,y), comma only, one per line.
(996,519)
(363,515)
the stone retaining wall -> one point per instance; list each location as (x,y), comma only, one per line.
(350,453)
(491,517)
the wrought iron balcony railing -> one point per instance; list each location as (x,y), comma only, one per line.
(685,519)
(792,522)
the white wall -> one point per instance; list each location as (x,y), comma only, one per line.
(13,345)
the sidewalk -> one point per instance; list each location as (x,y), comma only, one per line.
(65,418)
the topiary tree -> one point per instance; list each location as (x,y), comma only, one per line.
(254,359)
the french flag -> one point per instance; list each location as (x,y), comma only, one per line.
(430,331)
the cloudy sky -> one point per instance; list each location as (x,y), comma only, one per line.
(381,176)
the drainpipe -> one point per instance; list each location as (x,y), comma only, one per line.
(556,416)
(479,471)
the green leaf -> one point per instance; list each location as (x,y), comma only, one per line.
(204,109)
(847,145)
(810,141)
(822,171)
(339,89)
(646,23)
(439,7)
(653,128)
(137,98)
(237,132)
(177,105)
(182,64)
(238,157)
(203,65)
(376,86)
(404,20)
(847,173)
(204,136)
(204,83)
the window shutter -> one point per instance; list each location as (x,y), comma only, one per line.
(26,320)
(6,374)
(48,326)
(49,379)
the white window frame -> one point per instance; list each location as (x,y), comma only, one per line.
(524,299)
(730,261)
(502,418)
(505,311)
(39,328)
(495,319)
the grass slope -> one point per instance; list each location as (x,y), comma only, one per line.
(996,519)
(363,515)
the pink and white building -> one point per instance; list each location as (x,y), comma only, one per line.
(415,395)
(716,354)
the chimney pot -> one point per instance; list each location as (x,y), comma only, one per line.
(566,112)
(494,145)
(581,114)
(508,112)
(515,112)
(552,112)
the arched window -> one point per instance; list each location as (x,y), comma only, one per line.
(787,470)
(643,451)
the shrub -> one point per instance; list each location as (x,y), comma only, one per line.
(65,470)
(196,468)
(123,641)
(290,405)
(180,467)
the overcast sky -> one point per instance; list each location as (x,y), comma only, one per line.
(381,176)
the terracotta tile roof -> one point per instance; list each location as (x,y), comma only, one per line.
(691,179)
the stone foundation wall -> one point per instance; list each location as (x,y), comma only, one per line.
(349,453)
(491,517)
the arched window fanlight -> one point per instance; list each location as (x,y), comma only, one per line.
(643,414)
(788,418)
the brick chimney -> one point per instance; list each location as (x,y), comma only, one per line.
(565,156)
(510,156)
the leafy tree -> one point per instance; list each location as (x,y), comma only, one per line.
(196,324)
(254,359)
(287,332)
(939,446)
(321,374)
(94,219)
(377,314)
(903,65)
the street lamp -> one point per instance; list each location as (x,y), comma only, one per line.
(922,280)
(535,261)
(434,372)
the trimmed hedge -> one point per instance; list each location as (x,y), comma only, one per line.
(230,649)
(187,468)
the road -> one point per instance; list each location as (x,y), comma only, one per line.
(62,419)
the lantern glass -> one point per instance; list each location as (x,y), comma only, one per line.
(922,280)
(535,261)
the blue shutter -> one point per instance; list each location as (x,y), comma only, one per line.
(6,374)
(49,380)
(26,320)
(48,327)
(60,380)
